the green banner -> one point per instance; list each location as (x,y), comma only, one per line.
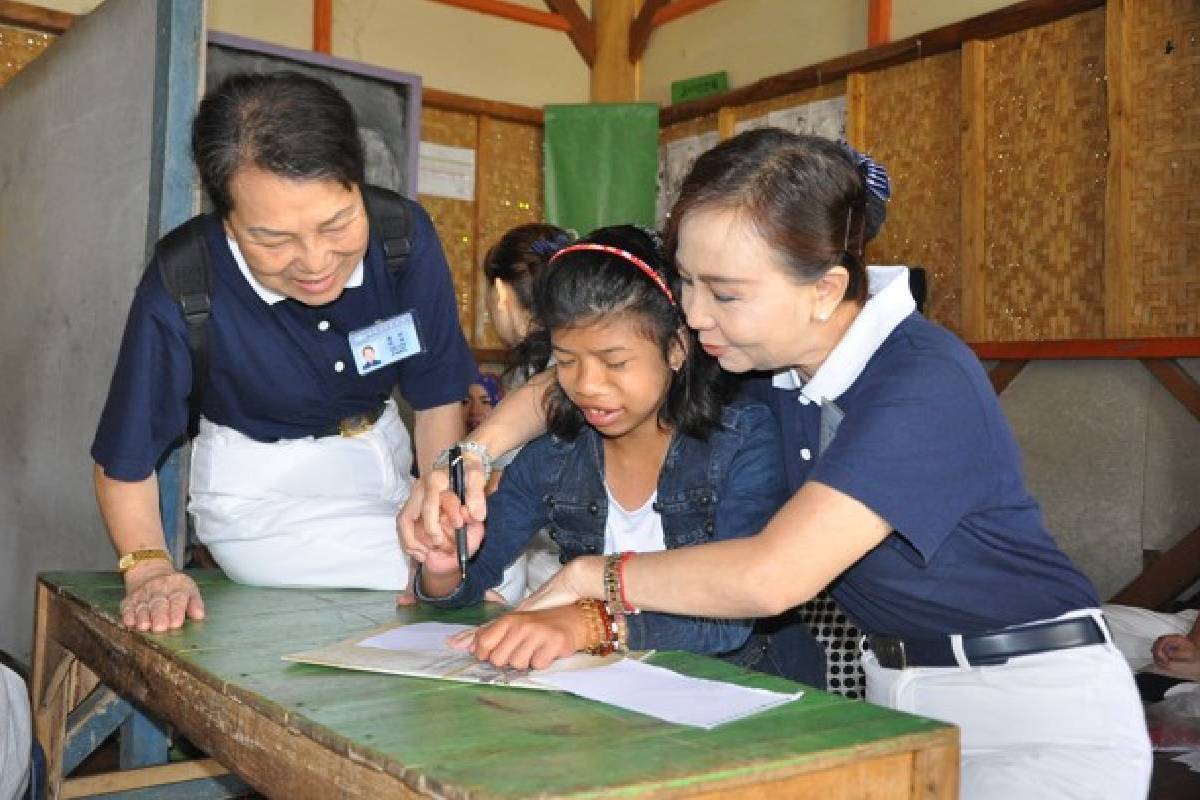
(601,164)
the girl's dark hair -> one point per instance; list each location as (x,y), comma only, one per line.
(585,286)
(287,123)
(804,195)
(517,259)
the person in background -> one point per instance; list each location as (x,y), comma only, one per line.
(482,396)
(907,492)
(301,460)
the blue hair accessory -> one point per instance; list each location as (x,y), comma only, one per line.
(874,174)
(546,248)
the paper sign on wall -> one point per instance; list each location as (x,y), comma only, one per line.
(445,171)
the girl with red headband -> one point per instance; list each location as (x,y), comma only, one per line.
(644,453)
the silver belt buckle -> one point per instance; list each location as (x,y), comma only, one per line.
(889,651)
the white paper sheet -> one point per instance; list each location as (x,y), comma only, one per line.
(420,636)
(667,695)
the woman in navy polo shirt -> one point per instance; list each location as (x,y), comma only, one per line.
(908,500)
(301,459)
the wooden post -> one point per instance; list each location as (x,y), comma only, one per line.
(974,188)
(1117,202)
(323,26)
(856,111)
(726,123)
(879,22)
(485,133)
(614,78)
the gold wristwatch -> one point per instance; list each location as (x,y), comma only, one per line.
(128,560)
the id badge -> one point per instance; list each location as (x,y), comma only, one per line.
(385,342)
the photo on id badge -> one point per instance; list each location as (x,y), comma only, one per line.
(386,342)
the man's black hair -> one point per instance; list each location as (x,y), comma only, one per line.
(287,123)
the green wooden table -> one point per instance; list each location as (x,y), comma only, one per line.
(300,731)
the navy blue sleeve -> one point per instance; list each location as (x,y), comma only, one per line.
(446,366)
(515,513)
(915,448)
(753,489)
(147,407)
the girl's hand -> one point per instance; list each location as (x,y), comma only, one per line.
(157,598)
(525,640)
(1178,655)
(569,584)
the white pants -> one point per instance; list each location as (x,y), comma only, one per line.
(16,735)
(304,512)
(1063,724)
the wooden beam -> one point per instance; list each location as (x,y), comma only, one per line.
(1003,373)
(1118,202)
(879,22)
(1001,22)
(514,12)
(679,8)
(323,26)
(1178,347)
(141,778)
(35,18)
(582,32)
(1171,573)
(509,112)
(642,26)
(856,111)
(973,192)
(1177,381)
(614,76)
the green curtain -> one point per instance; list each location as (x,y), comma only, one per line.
(601,164)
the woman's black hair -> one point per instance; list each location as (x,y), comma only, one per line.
(517,259)
(287,123)
(584,286)
(806,196)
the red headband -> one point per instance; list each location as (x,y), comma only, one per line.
(625,254)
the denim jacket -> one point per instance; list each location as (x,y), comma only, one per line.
(724,487)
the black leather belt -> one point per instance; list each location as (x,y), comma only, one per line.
(987,649)
(353,426)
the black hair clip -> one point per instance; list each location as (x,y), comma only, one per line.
(546,248)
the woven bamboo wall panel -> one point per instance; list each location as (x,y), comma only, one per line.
(1046,154)
(18,47)
(511,192)
(454,219)
(912,128)
(1164,273)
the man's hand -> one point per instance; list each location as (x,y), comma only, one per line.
(157,598)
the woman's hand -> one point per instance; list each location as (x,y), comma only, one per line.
(569,584)
(157,598)
(1177,655)
(527,640)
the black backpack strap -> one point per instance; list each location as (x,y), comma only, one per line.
(390,215)
(184,266)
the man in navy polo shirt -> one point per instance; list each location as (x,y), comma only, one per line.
(301,460)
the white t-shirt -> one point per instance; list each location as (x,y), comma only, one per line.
(639,531)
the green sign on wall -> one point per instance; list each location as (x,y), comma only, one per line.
(700,86)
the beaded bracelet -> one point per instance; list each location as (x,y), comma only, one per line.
(614,583)
(598,623)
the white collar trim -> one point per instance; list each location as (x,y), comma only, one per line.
(889,303)
(270,296)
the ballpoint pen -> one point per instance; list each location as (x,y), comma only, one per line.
(458,485)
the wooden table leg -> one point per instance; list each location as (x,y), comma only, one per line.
(54,673)
(935,772)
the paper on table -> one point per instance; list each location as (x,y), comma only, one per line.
(420,636)
(666,695)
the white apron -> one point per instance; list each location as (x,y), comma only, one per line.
(304,512)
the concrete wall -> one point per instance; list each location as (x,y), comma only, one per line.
(1113,459)
(75,175)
